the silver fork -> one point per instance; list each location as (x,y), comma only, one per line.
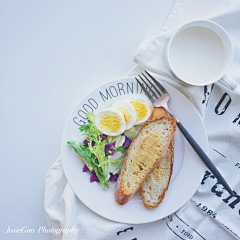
(159,97)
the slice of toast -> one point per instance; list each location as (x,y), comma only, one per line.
(155,186)
(144,154)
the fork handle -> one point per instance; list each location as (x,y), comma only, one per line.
(204,157)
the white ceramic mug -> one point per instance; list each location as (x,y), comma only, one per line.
(199,53)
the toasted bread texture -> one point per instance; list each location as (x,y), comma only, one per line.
(158,113)
(146,151)
(155,186)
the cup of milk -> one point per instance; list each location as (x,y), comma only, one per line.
(200,53)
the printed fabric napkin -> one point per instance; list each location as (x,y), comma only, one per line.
(211,213)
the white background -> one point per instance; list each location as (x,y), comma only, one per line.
(53,53)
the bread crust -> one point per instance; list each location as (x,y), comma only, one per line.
(120,196)
(158,113)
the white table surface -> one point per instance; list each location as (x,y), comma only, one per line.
(53,53)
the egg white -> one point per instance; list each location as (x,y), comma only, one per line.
(115,113)
(145,103)
(130,109)
(149,103)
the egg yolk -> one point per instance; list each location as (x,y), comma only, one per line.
(140,109)
(110,123)
(125,113)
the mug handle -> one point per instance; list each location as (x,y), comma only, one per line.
(228,82)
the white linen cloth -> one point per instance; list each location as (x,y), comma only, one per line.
(210,213)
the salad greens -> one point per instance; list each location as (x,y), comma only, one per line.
(133,131)
(102,154)
(82,150)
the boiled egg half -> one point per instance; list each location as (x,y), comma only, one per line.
(110,122)
(142,108)
(127,111)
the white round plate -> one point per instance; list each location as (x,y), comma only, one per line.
(188,169)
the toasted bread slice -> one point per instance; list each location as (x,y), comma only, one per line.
(158,113)
(155,186)
(144,154)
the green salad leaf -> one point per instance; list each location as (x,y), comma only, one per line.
(132,132)
(121,149)
(84,128)
(84,152)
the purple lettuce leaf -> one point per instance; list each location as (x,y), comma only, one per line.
(113,178)
(85,168)
(109,148)
(127,141)
(86,142)
(93,177)
(103,137)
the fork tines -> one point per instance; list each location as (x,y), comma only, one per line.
(154,87)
